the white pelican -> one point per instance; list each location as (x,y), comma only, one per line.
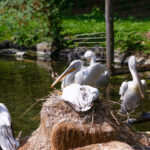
(132,92)
(87,76)
(102,82)
(7,141)
(79,94)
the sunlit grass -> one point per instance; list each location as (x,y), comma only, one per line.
(129,32)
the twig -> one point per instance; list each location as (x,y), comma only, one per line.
(114,102)
(114,117)
(37,101)
(19,136)
(132,138)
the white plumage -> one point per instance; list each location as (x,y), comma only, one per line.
(90,75)
(132,92)
(103,79)
(7,141)
(81,97)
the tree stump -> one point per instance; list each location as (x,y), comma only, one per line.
(61,128)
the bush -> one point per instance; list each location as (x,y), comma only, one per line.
(23,21)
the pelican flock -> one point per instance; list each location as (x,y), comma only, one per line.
(7,141)
(79,85)
(132,92)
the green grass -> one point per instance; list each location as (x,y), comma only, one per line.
(129,32)
(82,24)
(85,24)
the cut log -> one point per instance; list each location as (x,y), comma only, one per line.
(61,128)
(88,34)
(89,42)
(125,70)
(89,38)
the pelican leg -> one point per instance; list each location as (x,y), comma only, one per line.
(128,117)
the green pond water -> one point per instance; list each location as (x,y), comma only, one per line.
(22,82)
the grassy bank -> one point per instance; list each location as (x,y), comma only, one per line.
(129,32)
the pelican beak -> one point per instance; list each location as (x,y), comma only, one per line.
(67,71)
(139,85)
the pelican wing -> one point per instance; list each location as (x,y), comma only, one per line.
(90,75)
(7,141)
(80,96)
(79,77)
(123,89)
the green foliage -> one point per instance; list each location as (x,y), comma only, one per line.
(53,11)
(21,22)
(129,40)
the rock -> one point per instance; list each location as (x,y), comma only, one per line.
(43,53)
(43,46)
(20,54)
(140,60)
(8,52)
(114,145)
(147,61)
(61,128)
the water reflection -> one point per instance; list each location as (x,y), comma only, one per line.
(21,83)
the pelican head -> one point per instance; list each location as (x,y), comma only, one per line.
(74,66)
(132,63)
(89,55)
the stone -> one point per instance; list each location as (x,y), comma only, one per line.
(147,61)
(20,54)
(8,51)
(43,46)
(140,60)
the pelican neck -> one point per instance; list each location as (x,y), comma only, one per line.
(93,60)
(133,71)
